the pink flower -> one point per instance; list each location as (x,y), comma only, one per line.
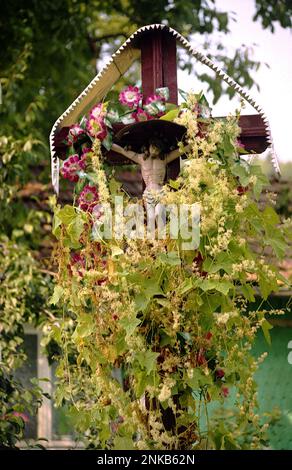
(155,105)
(225,392)
(97,211)
(96,128)
(85,150)
(88,198)
(154,97)
(97,112)
(74,133)
(130,96)
(78,263)
(72,166)
(95,125)
(141,115)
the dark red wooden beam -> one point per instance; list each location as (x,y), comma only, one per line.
(253,136)
(158,63)
(253,133)
(159,69)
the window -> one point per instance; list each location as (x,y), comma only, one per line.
(50,423)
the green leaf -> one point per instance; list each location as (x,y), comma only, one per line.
(186,286)
(214,284)
(171,115)
(57,294)
(108,141)
(142,381)
(66,214)
(86,326)
(141,302)
(151,288)
(248,292)
(163,302)
(129,324)
(165,339)
(270,216)
(261,180)
(276,240)
(228,145)
(170,258)
(120,343)
(198,379)
(75,229)
(114,186)
(175,184)
(266,327)
(223,261)
(147,360)
(123,443)
(241,172)
(267,285)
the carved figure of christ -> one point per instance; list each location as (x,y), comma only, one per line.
(153,164)
(153,169)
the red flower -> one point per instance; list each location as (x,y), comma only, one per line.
(154,97)
(88,198)
(75,132)
(219,373)
(130,96)
(241,190)
(95,125)
(209,335)
(141,115)
(72,166)
(199,262)
(96,128)
(85,150)
(200,358)
(78,262)
(225,392)
(155,105)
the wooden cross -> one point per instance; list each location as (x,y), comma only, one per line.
(158,49)
(159,69)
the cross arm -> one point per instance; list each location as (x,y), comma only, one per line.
(135,157)
(176,153)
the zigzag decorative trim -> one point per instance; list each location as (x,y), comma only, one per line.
(116,67)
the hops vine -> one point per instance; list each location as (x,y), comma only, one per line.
(153,336)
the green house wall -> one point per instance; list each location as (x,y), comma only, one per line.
(274,379)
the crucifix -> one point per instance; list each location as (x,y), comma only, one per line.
(160,158)
(156,46)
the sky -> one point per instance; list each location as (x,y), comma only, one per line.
(275,95)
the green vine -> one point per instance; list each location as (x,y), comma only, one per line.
(154,336)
